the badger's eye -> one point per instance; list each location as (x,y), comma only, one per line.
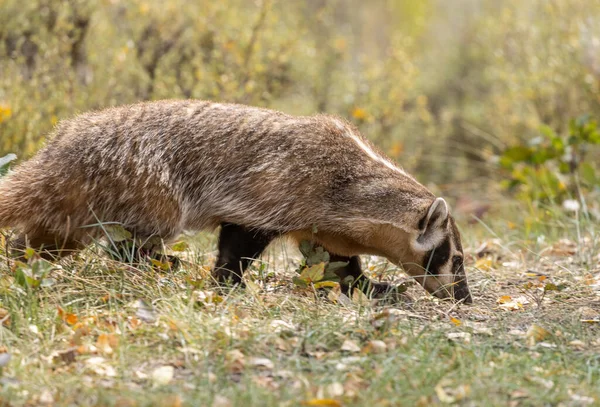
(457,261)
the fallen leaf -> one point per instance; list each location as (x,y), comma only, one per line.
(99,366)
(106,343)
(350,346)
(455,321)
(504,299)
(375,346)
(577,344)
(163,375)
(322,402)
(519,394)
(448,393)
(507,303)
(536,334)
(484,264)
(180,246)
(235,360)
(5,317)
(260,363)
(359,298)
(335,389)
(67,357)
(459,336)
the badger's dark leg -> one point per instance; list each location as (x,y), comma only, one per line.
(48,246)
(238,246)
(358,280)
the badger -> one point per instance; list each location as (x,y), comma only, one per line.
(161,168)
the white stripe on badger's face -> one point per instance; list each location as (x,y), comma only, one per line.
(364,147)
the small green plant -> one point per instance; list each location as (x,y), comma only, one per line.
(552,167)
(33,274)
(316,267)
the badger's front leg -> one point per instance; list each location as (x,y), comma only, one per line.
(238,247)
(358,278)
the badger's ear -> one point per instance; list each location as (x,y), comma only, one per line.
(433,224)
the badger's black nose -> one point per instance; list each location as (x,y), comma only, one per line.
(461,292)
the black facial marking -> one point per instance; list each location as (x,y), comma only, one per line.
(437,257)
(461,287)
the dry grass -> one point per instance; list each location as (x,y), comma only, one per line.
(100,332)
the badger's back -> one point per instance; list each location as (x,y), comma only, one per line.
(162,167)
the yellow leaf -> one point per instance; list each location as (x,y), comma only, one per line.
(314,273)
(484,264)
(180,247)
(322,402)
(329,284)
(504,299)
(162,265)
(456,321)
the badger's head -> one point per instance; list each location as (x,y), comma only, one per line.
(438,254)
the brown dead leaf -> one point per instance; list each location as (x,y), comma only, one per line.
(5,317)
(67,317)
(235,361)
(67,356)
(360,298)
(536,334)
(107,343)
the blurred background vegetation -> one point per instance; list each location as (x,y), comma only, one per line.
(476,97)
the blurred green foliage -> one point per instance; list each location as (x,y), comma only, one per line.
(554,168)
(443,87)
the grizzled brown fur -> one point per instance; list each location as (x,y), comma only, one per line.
(163,167)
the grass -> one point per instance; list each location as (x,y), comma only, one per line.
(102,333)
